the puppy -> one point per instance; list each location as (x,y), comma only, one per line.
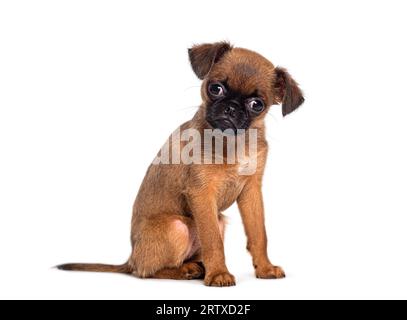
(177,225)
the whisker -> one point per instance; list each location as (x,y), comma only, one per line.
(191,87)
(188,108)
(273,117)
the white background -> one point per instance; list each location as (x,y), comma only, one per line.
(90,90)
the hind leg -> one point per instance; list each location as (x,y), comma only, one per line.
(161,245)
(193,268)
(188,271)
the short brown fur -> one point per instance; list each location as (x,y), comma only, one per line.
(177,228)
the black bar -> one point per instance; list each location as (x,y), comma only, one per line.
(205,309)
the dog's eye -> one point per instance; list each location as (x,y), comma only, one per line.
(216,90)
(256,105)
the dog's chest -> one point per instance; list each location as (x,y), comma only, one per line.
(235,178)
(230,189)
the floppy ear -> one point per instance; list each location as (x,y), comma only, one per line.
(287,91)
(204,56)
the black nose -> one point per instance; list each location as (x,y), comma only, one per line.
(230,111)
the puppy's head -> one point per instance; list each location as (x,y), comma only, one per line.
(240,85)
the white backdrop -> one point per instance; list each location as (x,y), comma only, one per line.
(89,91)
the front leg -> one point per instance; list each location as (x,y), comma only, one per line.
(205,213)
(251,209)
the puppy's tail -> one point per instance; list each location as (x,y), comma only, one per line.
(96,267)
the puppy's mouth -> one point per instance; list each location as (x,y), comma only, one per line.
(222,124)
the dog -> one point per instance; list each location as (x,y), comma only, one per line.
(177,228)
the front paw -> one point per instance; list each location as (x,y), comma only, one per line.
(270,272)
(223,279)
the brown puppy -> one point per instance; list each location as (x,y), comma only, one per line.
(177,225)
